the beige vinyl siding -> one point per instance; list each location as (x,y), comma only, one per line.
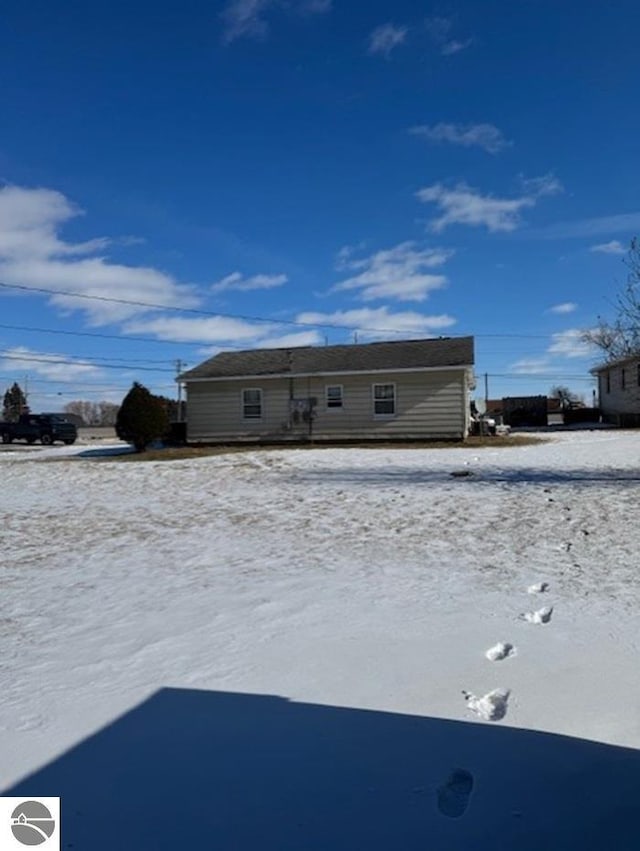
(429,405)
(620,399)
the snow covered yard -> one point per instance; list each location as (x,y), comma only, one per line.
(298,638)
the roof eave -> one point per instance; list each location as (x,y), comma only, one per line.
(268,375)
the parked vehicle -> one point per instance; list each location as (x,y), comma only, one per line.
(47,428)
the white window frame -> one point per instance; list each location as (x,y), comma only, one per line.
(334,407)
(384,416)
(244,405)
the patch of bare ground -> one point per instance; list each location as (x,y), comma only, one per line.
(182,453)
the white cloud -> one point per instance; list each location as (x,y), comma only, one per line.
(569,344)
(565,307)
(244,18)
(613,247)
(449,48)
(33,254)
(313,7)
(47,365)
(467,135)
(247,18)
(219,331)
(345,254)
(439,30)
(530,366)
(297,338)
(398,273)
(464,205)
(370,323)
(200,329)
(385,37)
(538,187)
(623,223)
(285,341)
(235,281)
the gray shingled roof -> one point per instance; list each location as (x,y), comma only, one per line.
(308,360)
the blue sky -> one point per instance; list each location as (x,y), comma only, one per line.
(343,170)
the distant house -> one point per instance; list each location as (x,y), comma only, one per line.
(402,390)
(619,391)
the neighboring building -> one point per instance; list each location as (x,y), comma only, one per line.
(403,390)
(525,411)
(619,391)
(533,411)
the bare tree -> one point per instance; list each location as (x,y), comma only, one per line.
(621,338)
(80,409)
(107,413)
(93,413)
(566,397)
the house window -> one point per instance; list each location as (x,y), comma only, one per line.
(252,404)
(384,400)
(334,395)
(607,378)
(623,378)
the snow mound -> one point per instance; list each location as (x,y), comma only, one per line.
(542,615)
(499,651)
(492,706)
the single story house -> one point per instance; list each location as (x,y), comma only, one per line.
(619,391)
(403,390)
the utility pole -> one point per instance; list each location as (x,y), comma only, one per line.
(486,387)
(179,367)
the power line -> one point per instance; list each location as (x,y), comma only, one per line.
(55,361)
(212,313)
(523,376)
(95,357)
(196,311)
(119,337)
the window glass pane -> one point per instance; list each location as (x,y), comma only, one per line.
(384,391)
(334,396)
(252,404)
(384,399)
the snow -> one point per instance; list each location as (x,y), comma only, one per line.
(490,707)
(542,615)
(499,651)
(538,588)
(289,635)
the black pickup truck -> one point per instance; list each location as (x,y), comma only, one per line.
(47,428)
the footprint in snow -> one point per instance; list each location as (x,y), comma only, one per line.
(543,615)
(492,706)
(453,796)
(538,588)
(501,650)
